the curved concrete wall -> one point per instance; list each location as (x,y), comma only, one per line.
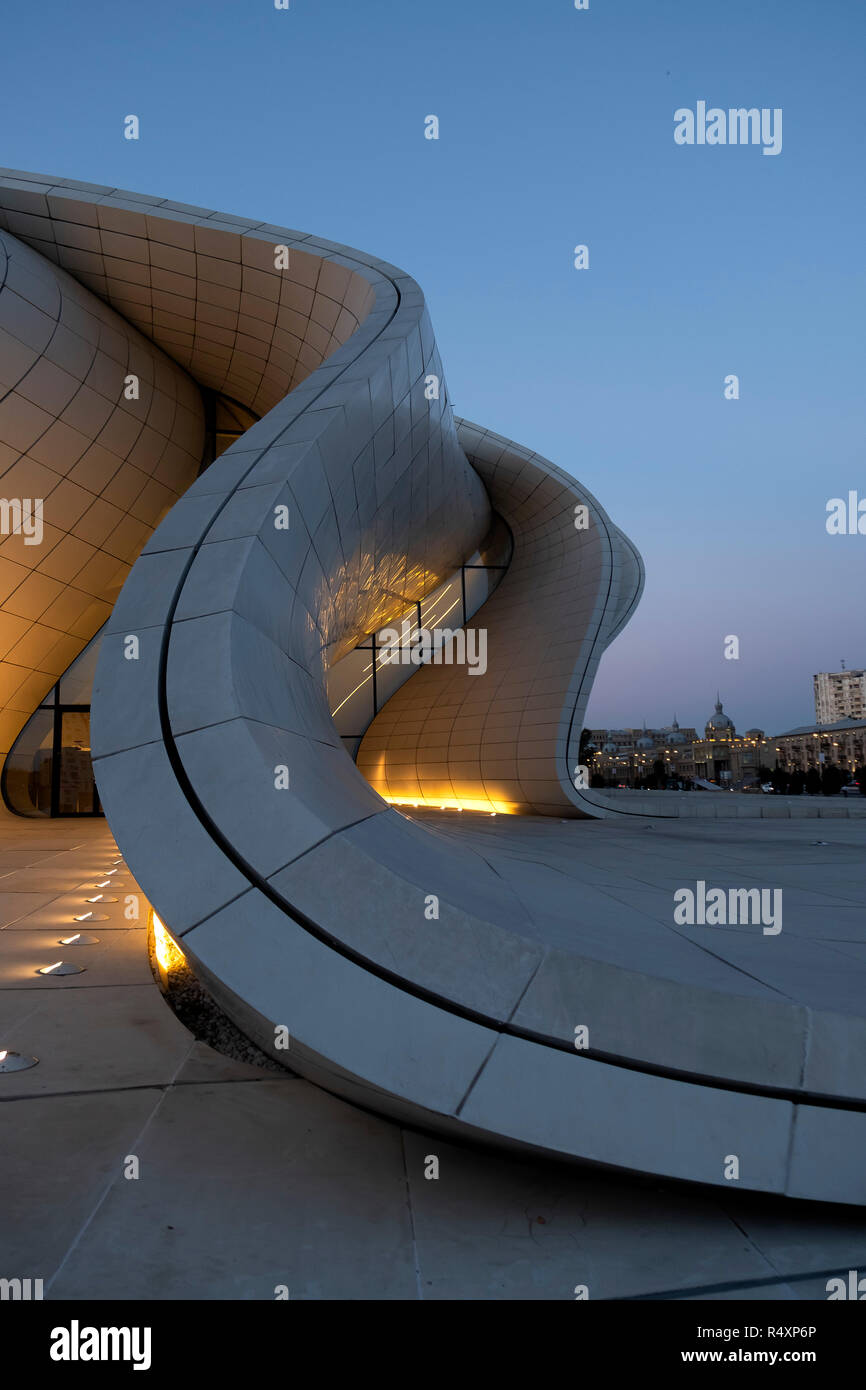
(106,468)
(503,738)
(298,894)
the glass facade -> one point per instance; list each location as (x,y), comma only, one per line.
(49,772)
(362,682)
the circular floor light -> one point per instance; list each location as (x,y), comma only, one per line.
(80,938)
(61,967)
(16,1061)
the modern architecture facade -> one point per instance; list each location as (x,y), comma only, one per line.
(251,475)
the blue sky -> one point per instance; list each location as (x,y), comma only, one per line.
(556,128)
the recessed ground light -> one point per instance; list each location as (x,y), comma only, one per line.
(820,842)
(16,1061)
(81,938)
(100,898)
(61,967)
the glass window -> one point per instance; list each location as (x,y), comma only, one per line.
(76,789)
(444,607)
(49,772)
(76,686)
(353,696)
(391,673)
(480,584)
(350,691)
(27,773)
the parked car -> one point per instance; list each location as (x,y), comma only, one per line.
(767,787)
(852,789)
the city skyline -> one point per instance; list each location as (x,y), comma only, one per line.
(696,724)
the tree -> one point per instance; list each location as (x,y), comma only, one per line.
(585,755)
(657,779)
(831,780)
(813,781)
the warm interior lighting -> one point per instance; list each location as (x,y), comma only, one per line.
(168,954)
(492,808)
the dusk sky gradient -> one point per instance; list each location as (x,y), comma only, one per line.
(556,129)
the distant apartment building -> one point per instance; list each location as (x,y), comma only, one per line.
(842,742)
(839,695)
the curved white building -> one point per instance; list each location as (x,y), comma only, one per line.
(448,972)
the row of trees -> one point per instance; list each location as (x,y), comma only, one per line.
(828,780)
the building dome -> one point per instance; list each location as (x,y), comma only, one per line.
(609,748)
(675,736)
(718,722)
(644,742)
(754,733)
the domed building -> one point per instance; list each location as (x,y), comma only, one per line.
(719,726)
(721,756)
(729,759)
